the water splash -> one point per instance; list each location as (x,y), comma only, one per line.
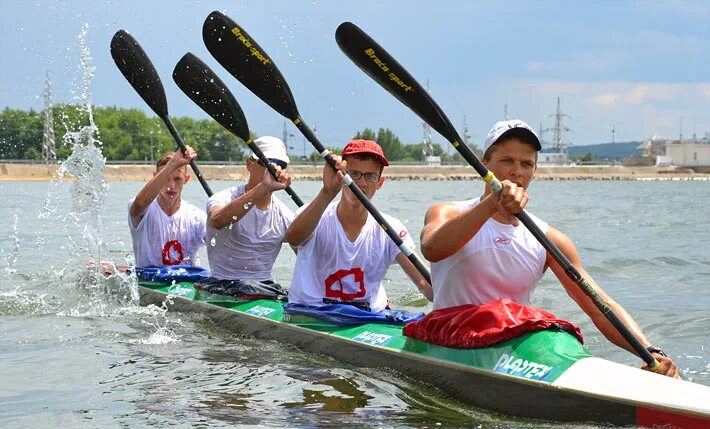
(12,258)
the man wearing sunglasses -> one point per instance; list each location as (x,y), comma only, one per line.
(246,225)
(343,254)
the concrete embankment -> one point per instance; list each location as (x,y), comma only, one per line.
(128,172)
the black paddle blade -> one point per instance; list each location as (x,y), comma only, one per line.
(139,71)
(237,52)
(207,90)
(371,58)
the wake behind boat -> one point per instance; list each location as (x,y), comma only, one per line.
(545,375)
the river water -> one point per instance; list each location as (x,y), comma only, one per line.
(76,353)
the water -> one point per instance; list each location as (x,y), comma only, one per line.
(76,349)
(74,354)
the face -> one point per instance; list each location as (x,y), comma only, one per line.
(513,160)
(363,166)
(173,189)
(255,169)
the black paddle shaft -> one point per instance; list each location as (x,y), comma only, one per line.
(136,67)
(377,63)
(197,80)
(241,56)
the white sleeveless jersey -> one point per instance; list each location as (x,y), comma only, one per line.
(160,240)
(500,261)
(330,266)
(247,250)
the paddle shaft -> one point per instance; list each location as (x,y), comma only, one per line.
(181,144)
(377,63)
(393,235)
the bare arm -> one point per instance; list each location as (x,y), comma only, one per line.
(446,229)
(414,274)
(305,224)
(587,305)
(151,189)
(221,216)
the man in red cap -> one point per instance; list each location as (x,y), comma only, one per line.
(343,254)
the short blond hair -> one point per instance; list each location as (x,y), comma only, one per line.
(165,159)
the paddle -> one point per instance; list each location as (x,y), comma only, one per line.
(139,71)
(208,91)
(371,58)
(245,60)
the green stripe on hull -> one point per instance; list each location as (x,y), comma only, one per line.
(541,355)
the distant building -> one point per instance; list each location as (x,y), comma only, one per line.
(678,152)
(689,153)
(553,158)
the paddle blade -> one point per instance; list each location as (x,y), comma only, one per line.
(139,71)
(207,90)
(371,58)
(237,52)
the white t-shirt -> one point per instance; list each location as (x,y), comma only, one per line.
(160,240)
(330,266)
(500,261)
(247,250)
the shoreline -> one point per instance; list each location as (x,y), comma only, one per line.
(235,172)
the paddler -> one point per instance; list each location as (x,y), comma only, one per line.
(480,253)
(165,229)
(246,225)
(343,254)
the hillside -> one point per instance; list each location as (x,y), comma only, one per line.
(606,151)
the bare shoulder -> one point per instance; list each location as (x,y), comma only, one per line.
(441,212)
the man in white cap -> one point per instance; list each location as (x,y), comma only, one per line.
(246,224)
(480,253)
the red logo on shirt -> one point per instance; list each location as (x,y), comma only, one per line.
(338,284)
(402,233)
(502,240)
(172,253)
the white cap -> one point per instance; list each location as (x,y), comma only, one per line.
(272,147)
(520,128)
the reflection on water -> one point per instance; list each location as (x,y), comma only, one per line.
(330,393)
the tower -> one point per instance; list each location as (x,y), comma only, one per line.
(559,142)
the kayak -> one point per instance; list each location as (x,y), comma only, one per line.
(546,375)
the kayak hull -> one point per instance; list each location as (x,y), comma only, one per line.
(540,385)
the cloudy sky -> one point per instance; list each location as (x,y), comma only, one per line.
(641,67)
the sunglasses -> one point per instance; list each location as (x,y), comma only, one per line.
(278,162)
(369,177)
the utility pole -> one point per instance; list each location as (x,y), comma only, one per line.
(151,146)
(612,133)
(427,148)
(49,149)
(466,134)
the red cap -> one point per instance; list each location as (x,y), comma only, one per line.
(365,146)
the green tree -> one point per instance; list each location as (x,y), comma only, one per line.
(366,134)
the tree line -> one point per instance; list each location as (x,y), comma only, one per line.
(130,135)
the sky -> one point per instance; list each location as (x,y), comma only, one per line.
(642,68)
